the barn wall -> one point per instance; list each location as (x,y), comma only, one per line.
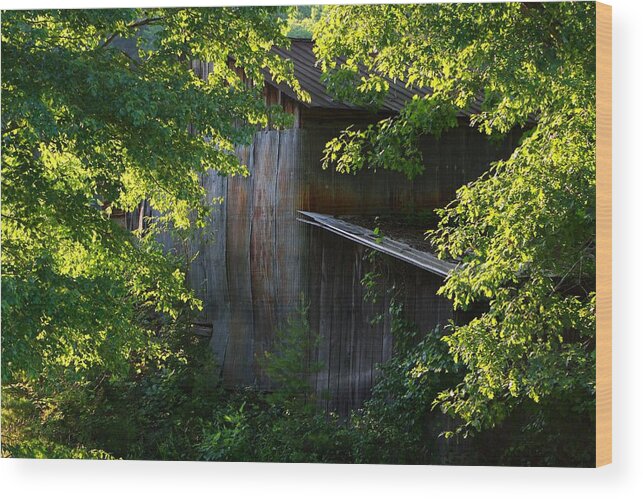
(254,258)
(247,268)
(352,343)
(457,157)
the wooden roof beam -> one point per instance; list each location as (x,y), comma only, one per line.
(422,259)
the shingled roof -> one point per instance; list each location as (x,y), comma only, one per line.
(309,74)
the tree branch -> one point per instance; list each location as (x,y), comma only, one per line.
(8,129)
(143,22)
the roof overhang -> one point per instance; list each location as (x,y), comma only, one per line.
(422,259)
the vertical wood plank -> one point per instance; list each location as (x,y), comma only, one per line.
(344,313)
(334,256)
(262,247)
(325,323)
(208,271)
(355,332)
(289,233)
(238,367)
(312,271)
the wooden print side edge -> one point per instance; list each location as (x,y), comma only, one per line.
(603,234)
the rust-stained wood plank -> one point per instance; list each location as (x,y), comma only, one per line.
(289,235)
(262,249)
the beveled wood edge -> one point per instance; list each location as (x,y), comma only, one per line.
(603,234)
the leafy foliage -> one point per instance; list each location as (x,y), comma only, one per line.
(525,232)
(169,409)
(289,366)
(397,425)
(156,411)
(100,112)
(283,425)
(302,19)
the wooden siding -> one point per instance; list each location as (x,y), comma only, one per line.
(255,258)
(352,343)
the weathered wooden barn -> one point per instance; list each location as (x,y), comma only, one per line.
(287,230)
